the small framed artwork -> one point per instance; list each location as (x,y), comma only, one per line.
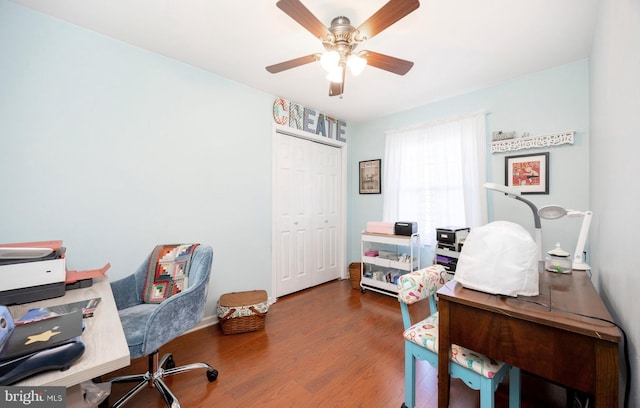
(528,172)
(370,177)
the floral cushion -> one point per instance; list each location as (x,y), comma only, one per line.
(418,285)
(425,334)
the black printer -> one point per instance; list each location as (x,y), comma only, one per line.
(406,228)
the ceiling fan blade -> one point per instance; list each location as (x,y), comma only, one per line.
(296,62)
(388,14)
(297,11)
(391,64)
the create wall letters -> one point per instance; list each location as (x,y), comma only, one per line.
(308,120)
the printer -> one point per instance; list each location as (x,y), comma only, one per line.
(31,271)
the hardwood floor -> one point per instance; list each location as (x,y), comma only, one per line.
(329,346)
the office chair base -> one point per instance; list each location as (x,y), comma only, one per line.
(153,378)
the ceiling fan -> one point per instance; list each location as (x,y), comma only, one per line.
(341,39)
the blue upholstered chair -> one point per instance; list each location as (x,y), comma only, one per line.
(479,372)
(148,326)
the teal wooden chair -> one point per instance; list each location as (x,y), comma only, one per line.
(479,372)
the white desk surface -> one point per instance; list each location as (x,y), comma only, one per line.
(105,345)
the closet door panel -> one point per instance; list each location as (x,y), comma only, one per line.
(307,204)
(326,199)
(293,216)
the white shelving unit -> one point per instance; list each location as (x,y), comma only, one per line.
(378,272)
(520,143)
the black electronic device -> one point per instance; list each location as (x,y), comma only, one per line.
(452,235)
(406,228)
(41,334)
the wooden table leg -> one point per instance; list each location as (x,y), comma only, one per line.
(607,365)
(444,351)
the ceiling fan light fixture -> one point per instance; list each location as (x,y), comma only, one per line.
(341,38)
(356,64)
(335,75)
(330,60)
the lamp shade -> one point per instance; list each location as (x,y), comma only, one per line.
(330,60)
(356,64)
(335,75)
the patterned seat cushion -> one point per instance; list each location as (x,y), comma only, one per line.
(425,334)
(418,285)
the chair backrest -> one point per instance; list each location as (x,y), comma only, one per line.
(419,285)
(199,275)
(199,270)
(184,310)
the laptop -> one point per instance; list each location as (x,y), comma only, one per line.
(42,334)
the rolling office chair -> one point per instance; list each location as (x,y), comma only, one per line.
(421,342)
(152,315)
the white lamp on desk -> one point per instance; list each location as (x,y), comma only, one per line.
(552,212)
(517,195)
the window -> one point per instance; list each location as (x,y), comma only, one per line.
(433,174)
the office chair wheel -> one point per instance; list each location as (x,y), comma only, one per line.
(212,375)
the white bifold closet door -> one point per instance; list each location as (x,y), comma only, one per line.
(307,205)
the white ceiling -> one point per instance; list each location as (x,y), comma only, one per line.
(457,46)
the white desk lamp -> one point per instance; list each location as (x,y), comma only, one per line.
(552,212)
(517,194)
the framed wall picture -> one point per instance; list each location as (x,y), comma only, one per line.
(370,177)
(528,172)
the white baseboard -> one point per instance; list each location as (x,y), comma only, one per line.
(206,322)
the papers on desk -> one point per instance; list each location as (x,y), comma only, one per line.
(42,313)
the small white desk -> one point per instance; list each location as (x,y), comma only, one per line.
(105,345)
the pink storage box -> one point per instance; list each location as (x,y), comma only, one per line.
(379,227)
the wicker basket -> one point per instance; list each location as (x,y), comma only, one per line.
(354,274)
(241,312)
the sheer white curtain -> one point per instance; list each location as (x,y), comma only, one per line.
(433,174)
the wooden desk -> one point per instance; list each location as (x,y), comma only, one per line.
(105,345)
(536,334)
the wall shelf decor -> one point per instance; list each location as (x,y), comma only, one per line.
(531,142)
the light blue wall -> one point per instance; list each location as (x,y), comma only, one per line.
(615,192)
(551,101)
(104,144)
(114,149)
